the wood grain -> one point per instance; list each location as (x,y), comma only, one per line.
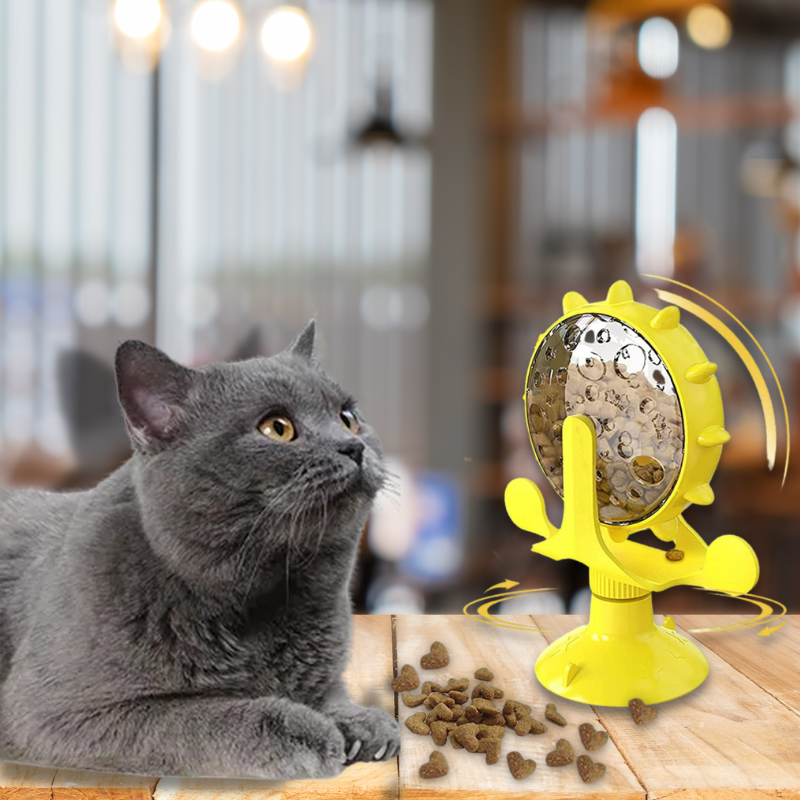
(22,782)
(510,655)
(74,785)
(727,739)
(368,677)
(773,661)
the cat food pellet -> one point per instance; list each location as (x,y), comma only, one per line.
(490,746)
(429,687)
(440,711)
(485,706)
(513,711)
(641,713)
(483,690)
(406,680)
(592,739)
(436,659)
(589,770)
(472,714)
(520,767)
(458,712)
(434,698)
(466,736)
(456,685)
(459,697)
(440,730)
(551,712)
(412,700)
(562,755)
(495,731)
(484,674)
(674,555)
(529,725)
(436,767)
(416,724)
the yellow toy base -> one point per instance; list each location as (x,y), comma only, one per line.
(621,654)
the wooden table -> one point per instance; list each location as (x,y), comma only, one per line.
(737,736)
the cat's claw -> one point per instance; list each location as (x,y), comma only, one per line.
(379,755)
(354,750)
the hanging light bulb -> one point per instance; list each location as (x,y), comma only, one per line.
(708,27)
(658,47)
(137,18)
(215,24)
(286,33)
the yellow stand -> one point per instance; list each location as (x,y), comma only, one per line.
(621,654)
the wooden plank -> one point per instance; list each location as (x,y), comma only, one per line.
(510,655)
(22,782)
(728,739)
(368,677)
(771,661)
(74,785)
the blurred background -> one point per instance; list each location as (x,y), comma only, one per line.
(428,178)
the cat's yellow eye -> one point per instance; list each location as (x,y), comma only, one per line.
(350,421)
(278,428)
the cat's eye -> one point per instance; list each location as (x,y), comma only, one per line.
(278,428)
(350,421)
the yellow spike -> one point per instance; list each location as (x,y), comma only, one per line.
(669,623)
(702,495)
(712,436)
(619,293)
(570,671)
(701,373)
(666,319)
(573,300)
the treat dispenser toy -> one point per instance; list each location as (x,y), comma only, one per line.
(625,418)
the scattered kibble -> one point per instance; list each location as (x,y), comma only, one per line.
(592,739)
(440,712)
(416,724)
(440,729)
(674,555)
(436,766)
(641,713)
(484,674)
(406,680)
(562,755)
(589,770)
(551,712)
(413,700)
(520,767)
(436,659)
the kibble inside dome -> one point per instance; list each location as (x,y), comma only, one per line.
(596,365)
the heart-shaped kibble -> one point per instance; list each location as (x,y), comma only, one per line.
(429,687)
(562,755)
(484,674)
(491,746)
(406,680)
(483,690)
(440,730)
(674,555)
(436,767)
(641,713)
(459,697)
(412,700)
(456,685)
(551,712)
(529,725)
(440,711)
(589,770)
(514,711)
(416,724)
(592,739)
(466,736)
(520,767)
(437,658)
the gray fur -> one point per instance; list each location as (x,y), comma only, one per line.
(190,615)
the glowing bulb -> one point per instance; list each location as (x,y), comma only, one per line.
(658,47)
(137,18)
(215,24)
(708,27)
(286,34)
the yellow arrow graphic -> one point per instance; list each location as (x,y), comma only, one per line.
(766,614)
(506,584)
(768,631)
(485,617)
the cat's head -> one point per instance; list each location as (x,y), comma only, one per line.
(246,461)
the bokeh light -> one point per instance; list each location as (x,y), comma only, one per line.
(137,18)
(286,34)
(658,47)
(215,24)
(708,27)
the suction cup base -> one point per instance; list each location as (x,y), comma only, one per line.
(621,654)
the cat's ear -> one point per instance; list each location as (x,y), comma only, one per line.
(303,344)
(152,390)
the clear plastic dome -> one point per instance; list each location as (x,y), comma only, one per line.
(596,365)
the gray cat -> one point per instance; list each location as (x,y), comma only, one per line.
(190,615)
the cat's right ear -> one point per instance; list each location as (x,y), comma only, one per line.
(152,390)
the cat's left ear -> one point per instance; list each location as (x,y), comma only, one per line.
(303,344)
(153,390)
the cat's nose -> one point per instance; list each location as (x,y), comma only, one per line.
(353,449)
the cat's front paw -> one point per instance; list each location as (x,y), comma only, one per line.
(369,733)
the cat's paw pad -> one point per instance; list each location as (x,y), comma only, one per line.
(369,733)
(314,747)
